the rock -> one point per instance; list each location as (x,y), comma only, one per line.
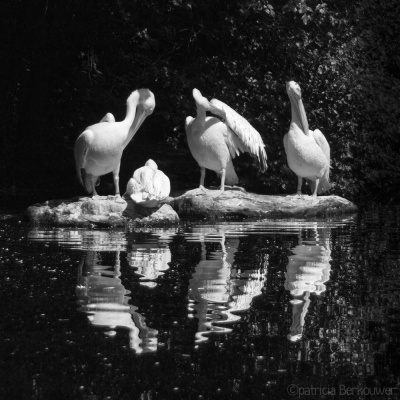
(102,211)
(108,211)
(241,204)
(142,216)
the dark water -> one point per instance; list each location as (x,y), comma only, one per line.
(280,310)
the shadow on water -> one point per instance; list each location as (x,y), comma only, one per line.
(231,310)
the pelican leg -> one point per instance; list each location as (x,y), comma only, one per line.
(116,184)
(299,185)
(222,188)
(93,180)
(202,178)
(314,195)
(298,194)
(116,180)
(201,189)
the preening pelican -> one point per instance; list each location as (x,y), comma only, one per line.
(98,150)
(214,144)
(149,186)
(307,152)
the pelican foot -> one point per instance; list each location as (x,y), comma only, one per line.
(234,187)
(117,198)
(217,194)
(200,190)
(296,195)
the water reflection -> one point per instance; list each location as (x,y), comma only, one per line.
(99,290)
(217,288)
(222,285)
(307,272)
(100,240)
(104,299)
(150,261)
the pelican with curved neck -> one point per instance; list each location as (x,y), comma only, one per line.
(215,142)
(307,152)
(98,150)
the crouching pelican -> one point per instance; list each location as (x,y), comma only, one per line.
(307,152)
(214,144)
(98,150)
(149,186)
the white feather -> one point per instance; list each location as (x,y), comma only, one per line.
(108,118)
(250,138)
(149,186)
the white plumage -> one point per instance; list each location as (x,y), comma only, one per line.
(214,143)
(149,186)
(307,152)
(98,150)
(108,118)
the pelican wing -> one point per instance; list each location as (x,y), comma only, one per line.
(250,138)
(145,177)
(323,143)
(148,184)
(81,149)
(235,145)
(161,185)
(134,190)
(285,139)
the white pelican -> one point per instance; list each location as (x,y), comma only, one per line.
(214,143)
(149,186)
(307,152)
(98,150)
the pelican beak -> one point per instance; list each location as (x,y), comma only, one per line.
(142,116)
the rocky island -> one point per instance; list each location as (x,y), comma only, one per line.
(109,211)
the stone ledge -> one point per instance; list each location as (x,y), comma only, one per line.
(108,212)
(102,211)
(233,203)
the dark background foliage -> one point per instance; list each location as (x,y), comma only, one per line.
(65,64)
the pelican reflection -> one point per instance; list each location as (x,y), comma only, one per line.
(101,295)
(307,272)
(105,300)
(150,262)
(217,289)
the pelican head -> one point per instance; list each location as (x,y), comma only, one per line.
(151,164)
(202,102)
(293,90)
(146,100)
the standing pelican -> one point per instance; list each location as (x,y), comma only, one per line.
(214,143)
(98,150)
(307,152)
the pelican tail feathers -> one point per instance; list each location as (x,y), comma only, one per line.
(324,184)
(230,175)
(80,150)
